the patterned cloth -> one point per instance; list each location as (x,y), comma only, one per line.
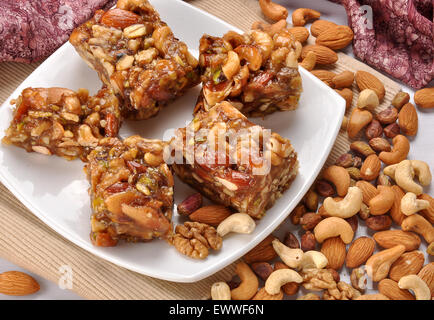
(31,30)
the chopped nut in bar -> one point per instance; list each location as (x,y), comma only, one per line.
(63,122)
(137,55)
(257,72)
(131,191)
(233,161)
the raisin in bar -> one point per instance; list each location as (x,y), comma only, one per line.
(131,191)
(233,161)
(136,54)
(257,72)
(63,122)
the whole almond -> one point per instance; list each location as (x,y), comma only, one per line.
(391,290)
(368,190)
(263,252)
(366,80)
(325,76)
(343,80)
(408,263)
(370,168)
(427,275)
(408,120)
(360,251)
(323,54)
(319,26)
(300,33)
(337,37)
(212,215)
(429,212)
(424,98)
(335,251)
(16,283)
(395,210)
(390,238)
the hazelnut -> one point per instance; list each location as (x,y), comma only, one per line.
(392,130)
(324,188)
(379,223)
(308,241)
(373,130)
(310,220)
(388,115)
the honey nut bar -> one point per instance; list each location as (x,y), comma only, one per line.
(131,191)
(62,122)
(233,161)
(257,72)
(137,55)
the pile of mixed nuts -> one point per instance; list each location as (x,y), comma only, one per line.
(372,184)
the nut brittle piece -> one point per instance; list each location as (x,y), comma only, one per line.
(131,191)
(137,55)
(63,122)
(257,72)
(233,161)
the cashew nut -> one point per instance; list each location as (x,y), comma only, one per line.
(300,16)
(378,265)
(346,208)
(264,41)
(400,149)
(358,119)
(404,174)
(383,201)
(273,11)
(291,257)
(251,54)
(417,285)
(313,260)
(420,225)
(249,283)
(368,99)
(309,61)
(390,170)
(238,223)
(410,204)
(339,177)
(333,227)
(280,277)
(422,171)
(220,291)
(232,65)
(271,29)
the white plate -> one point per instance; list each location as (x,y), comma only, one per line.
(56,190)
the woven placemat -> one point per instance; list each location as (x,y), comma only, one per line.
(29,243)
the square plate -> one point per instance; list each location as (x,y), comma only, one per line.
(55,190)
